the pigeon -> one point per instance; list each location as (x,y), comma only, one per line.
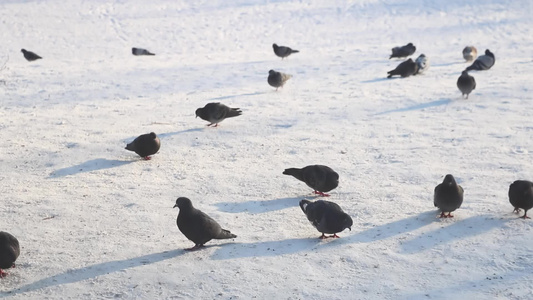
(483,62)
(30,56)
(469,53)
(318,177)
(197,226)
(145,145)
(521,196)
(277,79)
(448,196)
(403,51)
(422,63)
(140,51)
(283,51)
(9,251)
(326,216)
(404,69)
(466,84)
(216,112)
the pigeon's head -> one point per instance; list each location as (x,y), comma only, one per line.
(183,203)
(422,55)
(23,50)
(449,180)
(198,112)
(410,44)
(464,73)
(347,222)
(275,46)
(153,135)
(271,72)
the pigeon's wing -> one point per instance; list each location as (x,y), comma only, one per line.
(197,226)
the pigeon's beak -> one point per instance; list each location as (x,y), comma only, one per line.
(175,205)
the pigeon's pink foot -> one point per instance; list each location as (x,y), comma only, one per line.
(2,273)
(449,215)
(525,217)
(443,215)
(323,236)
(334,236)
(321,194)
(13,265)
(147,158)
(196,247)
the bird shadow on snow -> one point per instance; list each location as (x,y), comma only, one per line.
(379,79)
(167,134)
(417,106)
(259,206)
(235,96)
(268,248)
(93,271)
(90,165)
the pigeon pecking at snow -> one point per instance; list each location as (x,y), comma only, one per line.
(140,51)
(483,62)
(403,51)
(422,63)
(326,216)
(145,145)
(404,69)
(30,56)
(216,112)
(277,79)
(320,178)
(9,251)
(521,196)
(469,53)
(283,51)
(466,83)
(448,196)
(197,226)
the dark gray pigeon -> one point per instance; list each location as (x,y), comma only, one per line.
(326,216)
(521,196)
(140,51)
(404,69)
(30,56)
(9,251)
(466,84)
(469,53)
(448,196)
(145,145)
(283,51)
(216,112)
(320,178)
(277,79)
(483,62)
(403,51)
(197,226)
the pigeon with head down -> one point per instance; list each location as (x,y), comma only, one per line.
(320,178)
(277,79)
(145,145)
(483,62)
(326,217)
(283,51)
(216,112)
(9,251)
(521,196)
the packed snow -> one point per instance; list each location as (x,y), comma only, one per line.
(96,221)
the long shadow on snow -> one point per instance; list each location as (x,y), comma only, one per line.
(167,134)
(93,271)
(235,96)
(90,165)
(417,106)
(259,206)
(269,248)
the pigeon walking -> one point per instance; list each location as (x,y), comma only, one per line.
(145,145)
(403,51)
(422,63)
(277,79)
(216,112)
(320,178)
(283,51)
(521,196)
(466,84)
(326,216)
(197,226)
(30,56)
(404,69)
(469,53)
(140,51)
(9,251)
(483,62)
(448,196)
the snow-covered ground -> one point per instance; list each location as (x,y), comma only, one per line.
(95,221)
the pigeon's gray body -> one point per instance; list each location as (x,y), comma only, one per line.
(197,226)
(403,51)
(216,112)
(448,196)
(277,79)
(9,251)
(521,196)
(483,62)
(422,63)
(145,145)
(469,53)
(140,51)
(30,56)
(404,69)
(320,178)
(466,83)
(326,216)
(283,51)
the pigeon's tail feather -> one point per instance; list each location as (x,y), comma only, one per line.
(130,147)
(148,53)
(303,204)
(234,112)
(225,234)
(295,51)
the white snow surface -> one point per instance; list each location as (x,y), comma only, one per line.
(95,221)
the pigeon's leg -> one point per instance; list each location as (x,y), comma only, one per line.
(216,125)
(147,158)
(334,236)
(442,215)
(13,265)
(2,273)
(449,215)
(525,216)
(516,210)
(321,194)
(323,236)
(209,124)
(196,247)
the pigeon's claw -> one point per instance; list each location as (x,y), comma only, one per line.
(321,194)
(525,217)
(195,248)
(334,236)
(147,158)
(2,273)
(323,236)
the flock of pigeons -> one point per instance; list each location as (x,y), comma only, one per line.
(326,216)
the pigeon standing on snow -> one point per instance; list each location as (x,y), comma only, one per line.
(466,83)
(469,53)
(30,56)
(145,145)
(483,62)
(197,226)
(277,79)
(283,51)
(140,51)
(320,178)
(422,63)
(216,112)
(521,196)
(9,251)
(403,51)
(326,216)
(448,196)
(404,69)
